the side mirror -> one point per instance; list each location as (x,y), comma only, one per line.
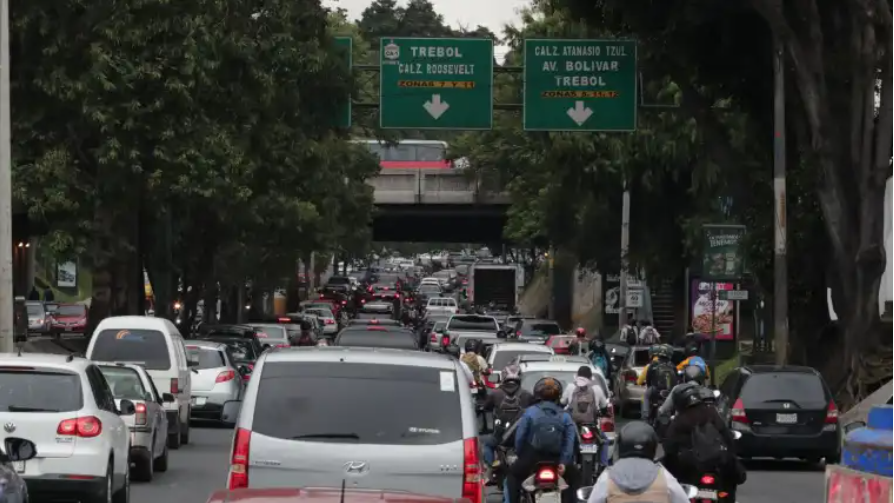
(168,398)
(583,494)
(127,408)
(19,449)
(244,370)
(856,425)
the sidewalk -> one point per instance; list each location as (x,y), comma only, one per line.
(62,346)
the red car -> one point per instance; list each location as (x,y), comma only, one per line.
(324,495)
(68,319)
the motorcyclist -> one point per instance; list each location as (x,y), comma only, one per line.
(508,402)
(475,364)
(577,345)
(636,473)
(698,441)
(693,376)
(600,358)
(586,401)
(659,375)
(693,357)
(545,433)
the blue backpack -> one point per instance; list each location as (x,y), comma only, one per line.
(548,430)
(698,361)
(600,362)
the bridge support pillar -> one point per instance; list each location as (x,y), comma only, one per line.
(564,263)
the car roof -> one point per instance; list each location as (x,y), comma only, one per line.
(133,323)
(62,362)
(410,358)
(516,346)
(565,366)
(205,344)
(766,369)
(125,365)
(538,320)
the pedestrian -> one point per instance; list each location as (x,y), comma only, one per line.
(48,295)
(34,294)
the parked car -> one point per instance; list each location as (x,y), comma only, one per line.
(149,424)
(38,318)
(68,319)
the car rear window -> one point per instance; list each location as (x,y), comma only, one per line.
(541,329)
(472,323)
(504,357)
(429,288)
(363,337)
(326,402)
(240,350)
(39,390)
(322,313)
(77,310)
(339,280)
(806,390)
(208,358)
(125,383)
(271,332)
(147,347)
(566,377)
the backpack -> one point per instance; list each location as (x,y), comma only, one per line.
(698,361)
(583,405)
(630,335)
(548,431)
(471,360)
(648,336)
(665,376)
(600,362)
(510,408)
(708,447)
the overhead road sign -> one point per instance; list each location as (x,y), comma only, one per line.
(580,85)
(436,83)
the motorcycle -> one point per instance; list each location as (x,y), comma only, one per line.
(503,453)
(709,488)
(545,481)
(591,447)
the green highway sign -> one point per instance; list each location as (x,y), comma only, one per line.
(580,85)
(345,46)
(436,83)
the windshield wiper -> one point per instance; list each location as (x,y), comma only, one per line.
(346,436)
(19,408)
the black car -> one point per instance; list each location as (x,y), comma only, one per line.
(534,330)
(784,411)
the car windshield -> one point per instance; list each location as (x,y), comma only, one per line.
(504,357)
(566,377)
(322,313)
(39,390)
(339,280)
(473,324)
(125,383)
(241,350)
(147,347)
(323,401)
(208,358)
(806,390)
(541,329)
(77,310)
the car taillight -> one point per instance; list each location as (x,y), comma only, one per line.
(283,345)
(738,412)
(84,427)
(630,376)
(329,321)
(708,480)
(344,303)
(140,417)
(226,375)
(445,341)
(433,338)
(832,414)
(175,386)
(239,462)
(546,476)
(518,334)
(473,488)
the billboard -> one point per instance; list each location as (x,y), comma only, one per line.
(705,311)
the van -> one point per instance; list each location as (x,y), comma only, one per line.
(156,344)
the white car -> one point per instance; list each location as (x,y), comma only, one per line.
(65,406)
(430,281)
(442,305)
(504,353)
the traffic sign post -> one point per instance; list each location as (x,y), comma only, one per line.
(580,85)
(345,46)
(436,83)
(635,298)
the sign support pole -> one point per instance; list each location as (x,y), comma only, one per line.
(712,356)
(780,265)
(625,248)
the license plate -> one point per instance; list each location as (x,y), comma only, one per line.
(706,494)
(786,418)
(589,448)
(19,466)
(198,401)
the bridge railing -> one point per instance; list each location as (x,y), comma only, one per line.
(432,187)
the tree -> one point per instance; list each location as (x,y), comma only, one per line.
(831,112)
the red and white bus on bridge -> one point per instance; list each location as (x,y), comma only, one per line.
(410,154)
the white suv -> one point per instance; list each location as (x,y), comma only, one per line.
(65,406)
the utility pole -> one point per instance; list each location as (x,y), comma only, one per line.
(7,339)
(311,276)
(625,248)
(780,265)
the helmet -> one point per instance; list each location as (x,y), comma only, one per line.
(687,395)
(548,390)
(511,373)
(692,350)
(580,332)
(694,373)
(471,346)
(663,351)
(637,440)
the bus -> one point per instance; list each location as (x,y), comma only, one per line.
(410,154)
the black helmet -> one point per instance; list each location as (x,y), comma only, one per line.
(637,440)
(548,390)
(692,350)
(694,373)
(687,395)
(597,344)
(471,346)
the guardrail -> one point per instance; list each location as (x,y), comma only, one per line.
(419,186)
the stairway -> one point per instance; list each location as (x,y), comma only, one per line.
(663,311)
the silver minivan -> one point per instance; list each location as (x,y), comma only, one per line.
(378,419)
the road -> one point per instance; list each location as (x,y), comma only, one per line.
(201,467)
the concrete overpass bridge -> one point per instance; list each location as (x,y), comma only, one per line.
(437,205)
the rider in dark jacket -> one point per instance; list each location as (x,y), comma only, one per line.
(509,386)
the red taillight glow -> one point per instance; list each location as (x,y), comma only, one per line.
(445,341)
(239,462)
(708,480)
(226,375)
(283,320)
(344,303)
(140,417)
(329,321)
(84,427)
(587,435)
(547,475)
(737,413)
(630,376)
(518,334)
(832,414)
(433,338)
(262,335)
(473,486)
(175,386)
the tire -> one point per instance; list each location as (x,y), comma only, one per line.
(122,495)
(184,433)
(145,468)
(174,438)
(160,464)
(106,493)
(587,472)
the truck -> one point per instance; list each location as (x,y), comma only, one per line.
(500,284)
